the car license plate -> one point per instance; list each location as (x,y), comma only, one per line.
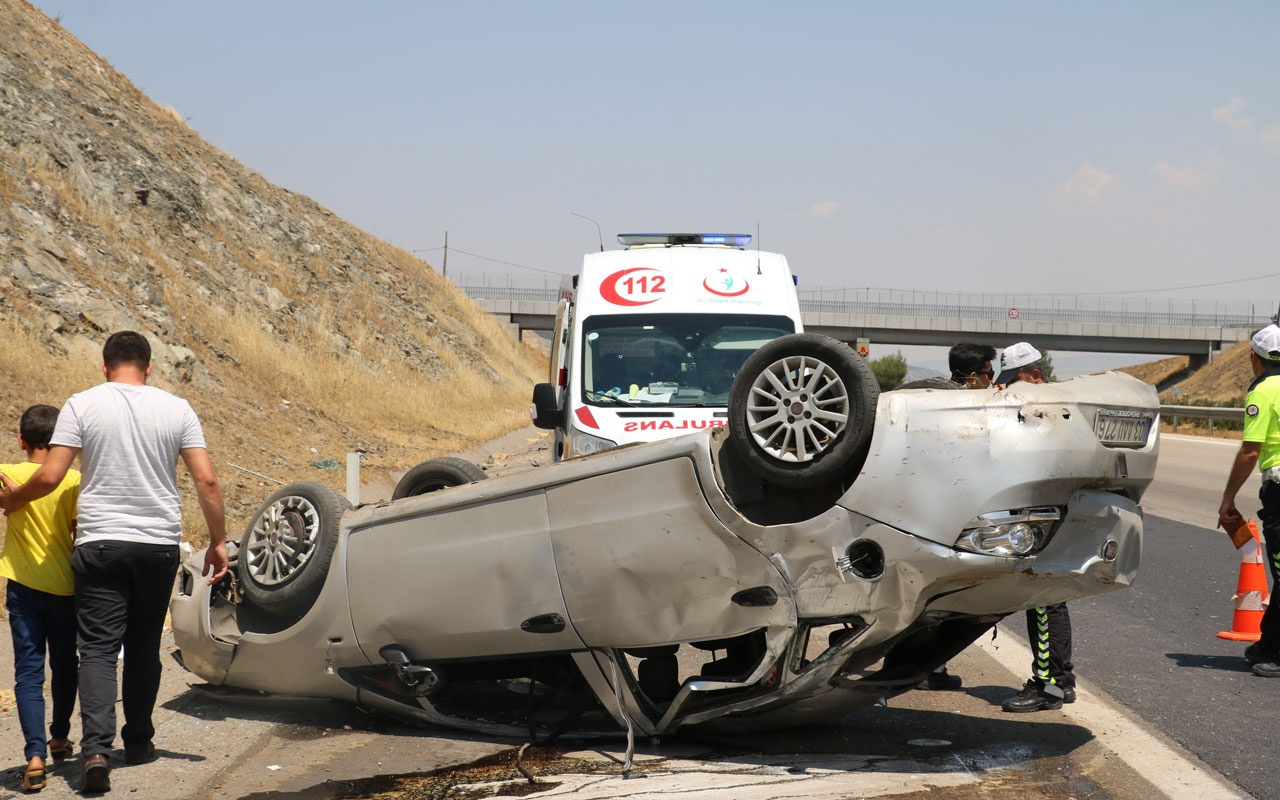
(1117,427)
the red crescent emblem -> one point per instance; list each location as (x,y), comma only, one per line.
(728,283)
(643,285)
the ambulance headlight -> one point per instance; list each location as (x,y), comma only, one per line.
(584,444)
(1018,532)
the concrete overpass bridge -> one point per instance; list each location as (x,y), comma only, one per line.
(1083,323)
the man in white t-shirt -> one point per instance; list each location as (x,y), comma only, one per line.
(130,437)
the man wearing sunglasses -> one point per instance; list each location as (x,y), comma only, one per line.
(971,364)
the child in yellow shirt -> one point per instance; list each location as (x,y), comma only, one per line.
(39,598)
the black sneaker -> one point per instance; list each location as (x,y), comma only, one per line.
(1036,697)
(1069,694)
(941,681)
(1257,654)
(1267,669)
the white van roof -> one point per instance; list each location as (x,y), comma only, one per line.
(687,277)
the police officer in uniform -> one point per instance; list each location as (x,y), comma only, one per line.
(1261,446)
(1053,677)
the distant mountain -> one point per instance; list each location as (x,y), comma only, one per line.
(915,373)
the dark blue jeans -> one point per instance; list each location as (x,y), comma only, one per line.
(122,594)
(40,621)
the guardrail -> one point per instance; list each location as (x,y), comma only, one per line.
(1210,413)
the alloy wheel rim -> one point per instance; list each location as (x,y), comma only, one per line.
(797,409)
(282,540)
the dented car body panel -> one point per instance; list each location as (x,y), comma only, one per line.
(662,585)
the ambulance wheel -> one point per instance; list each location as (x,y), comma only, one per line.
(437,474)
(802,410)
(285,552)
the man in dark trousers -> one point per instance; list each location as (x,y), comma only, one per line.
(130,437)
(1260,446)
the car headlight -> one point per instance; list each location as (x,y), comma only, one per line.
(584,444)
(1019,532)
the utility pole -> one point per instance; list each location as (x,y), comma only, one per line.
(444,264)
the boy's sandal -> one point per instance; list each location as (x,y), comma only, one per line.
(33,779)
(60,750)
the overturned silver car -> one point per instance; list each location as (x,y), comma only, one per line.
(824,550)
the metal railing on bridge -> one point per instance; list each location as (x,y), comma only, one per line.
(943,305)
(1033,313)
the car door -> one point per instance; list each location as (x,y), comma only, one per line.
(643,561)
(461,581)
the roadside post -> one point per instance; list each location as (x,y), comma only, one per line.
(353,478)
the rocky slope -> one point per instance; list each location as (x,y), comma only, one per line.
(296,336)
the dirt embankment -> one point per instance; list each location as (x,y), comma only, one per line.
(296,336)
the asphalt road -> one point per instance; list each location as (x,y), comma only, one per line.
(1154,647)
(1190,475)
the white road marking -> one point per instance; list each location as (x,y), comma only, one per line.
(1169,768)
(1232,443)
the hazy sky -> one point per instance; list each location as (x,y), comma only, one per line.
(1019,147)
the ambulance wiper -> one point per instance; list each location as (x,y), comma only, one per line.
(608,396)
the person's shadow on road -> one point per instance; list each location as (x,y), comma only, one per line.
(1214,662)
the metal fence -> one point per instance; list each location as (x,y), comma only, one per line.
(1095,309)
(1169,317)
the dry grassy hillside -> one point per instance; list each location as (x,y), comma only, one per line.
(296,336)
(1222,381)
(1157,372)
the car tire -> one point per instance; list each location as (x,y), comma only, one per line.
(437,474)
(802,410)
(285,552)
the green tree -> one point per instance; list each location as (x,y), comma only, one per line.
(889,370)
(1046,370)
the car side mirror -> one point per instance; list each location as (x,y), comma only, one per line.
(545,411)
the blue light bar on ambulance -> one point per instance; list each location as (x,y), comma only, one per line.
(669,239)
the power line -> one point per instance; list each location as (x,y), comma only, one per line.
(507,263)
(1150,291)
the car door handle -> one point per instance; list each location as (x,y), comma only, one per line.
(543,623)
(757,596)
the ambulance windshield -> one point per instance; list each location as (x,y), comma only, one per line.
(670,359)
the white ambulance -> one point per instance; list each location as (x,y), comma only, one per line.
(648,338)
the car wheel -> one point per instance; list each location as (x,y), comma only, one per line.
(285,552)
(802,410)
(437,474)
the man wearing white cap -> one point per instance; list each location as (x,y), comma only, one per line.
(1020,362)
(1053,678)
(1260,446)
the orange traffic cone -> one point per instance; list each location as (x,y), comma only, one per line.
(1251,593)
